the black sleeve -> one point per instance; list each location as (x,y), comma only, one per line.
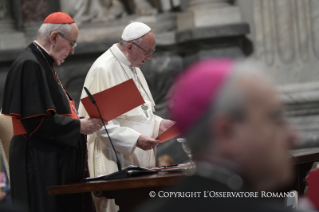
(28,92)
(57,129)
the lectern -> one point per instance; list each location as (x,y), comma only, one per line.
(128,193)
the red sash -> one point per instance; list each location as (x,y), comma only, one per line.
(18,128)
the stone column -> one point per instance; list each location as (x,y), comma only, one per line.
(10,38)
(286,37)
(204,13)
(285,34)
(212,28)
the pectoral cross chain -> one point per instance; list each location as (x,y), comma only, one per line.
(145,107)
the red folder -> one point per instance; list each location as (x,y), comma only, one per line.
(170,133)
(114,101)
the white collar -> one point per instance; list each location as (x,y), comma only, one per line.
(119,55)
(41,47)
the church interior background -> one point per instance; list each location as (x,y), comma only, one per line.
(282,35)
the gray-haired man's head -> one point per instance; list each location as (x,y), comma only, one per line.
(242,127)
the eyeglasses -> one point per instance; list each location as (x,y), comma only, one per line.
(73,45)
(148,53)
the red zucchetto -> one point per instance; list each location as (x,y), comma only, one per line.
(59,18)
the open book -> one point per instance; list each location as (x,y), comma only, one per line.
(129,171)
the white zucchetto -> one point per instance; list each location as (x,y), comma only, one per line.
(135,30)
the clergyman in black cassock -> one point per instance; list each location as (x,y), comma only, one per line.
(47,148)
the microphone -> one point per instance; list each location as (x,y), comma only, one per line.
(129,171)
(94,102)
(90,96)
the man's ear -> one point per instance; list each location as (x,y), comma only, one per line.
(54,37)
(129,47)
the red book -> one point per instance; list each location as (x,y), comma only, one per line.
(114,101)
(170,133)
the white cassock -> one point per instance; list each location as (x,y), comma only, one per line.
(110,69)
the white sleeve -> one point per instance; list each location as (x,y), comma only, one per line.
(157,122)
(124,138)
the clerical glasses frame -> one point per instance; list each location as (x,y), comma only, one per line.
(147,53)
(73,45)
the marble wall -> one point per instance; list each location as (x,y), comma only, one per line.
(285,34)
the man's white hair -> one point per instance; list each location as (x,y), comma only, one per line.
(46,29)
(231,96)
(137,41)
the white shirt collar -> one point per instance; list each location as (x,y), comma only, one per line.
(119,55)
(41,46)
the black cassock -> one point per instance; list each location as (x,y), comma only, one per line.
(52,152)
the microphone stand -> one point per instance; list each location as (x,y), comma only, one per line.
(121,173)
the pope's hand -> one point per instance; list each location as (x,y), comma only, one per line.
(146,143)
(165,124)
(90,125)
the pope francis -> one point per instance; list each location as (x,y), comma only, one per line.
(132,133)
